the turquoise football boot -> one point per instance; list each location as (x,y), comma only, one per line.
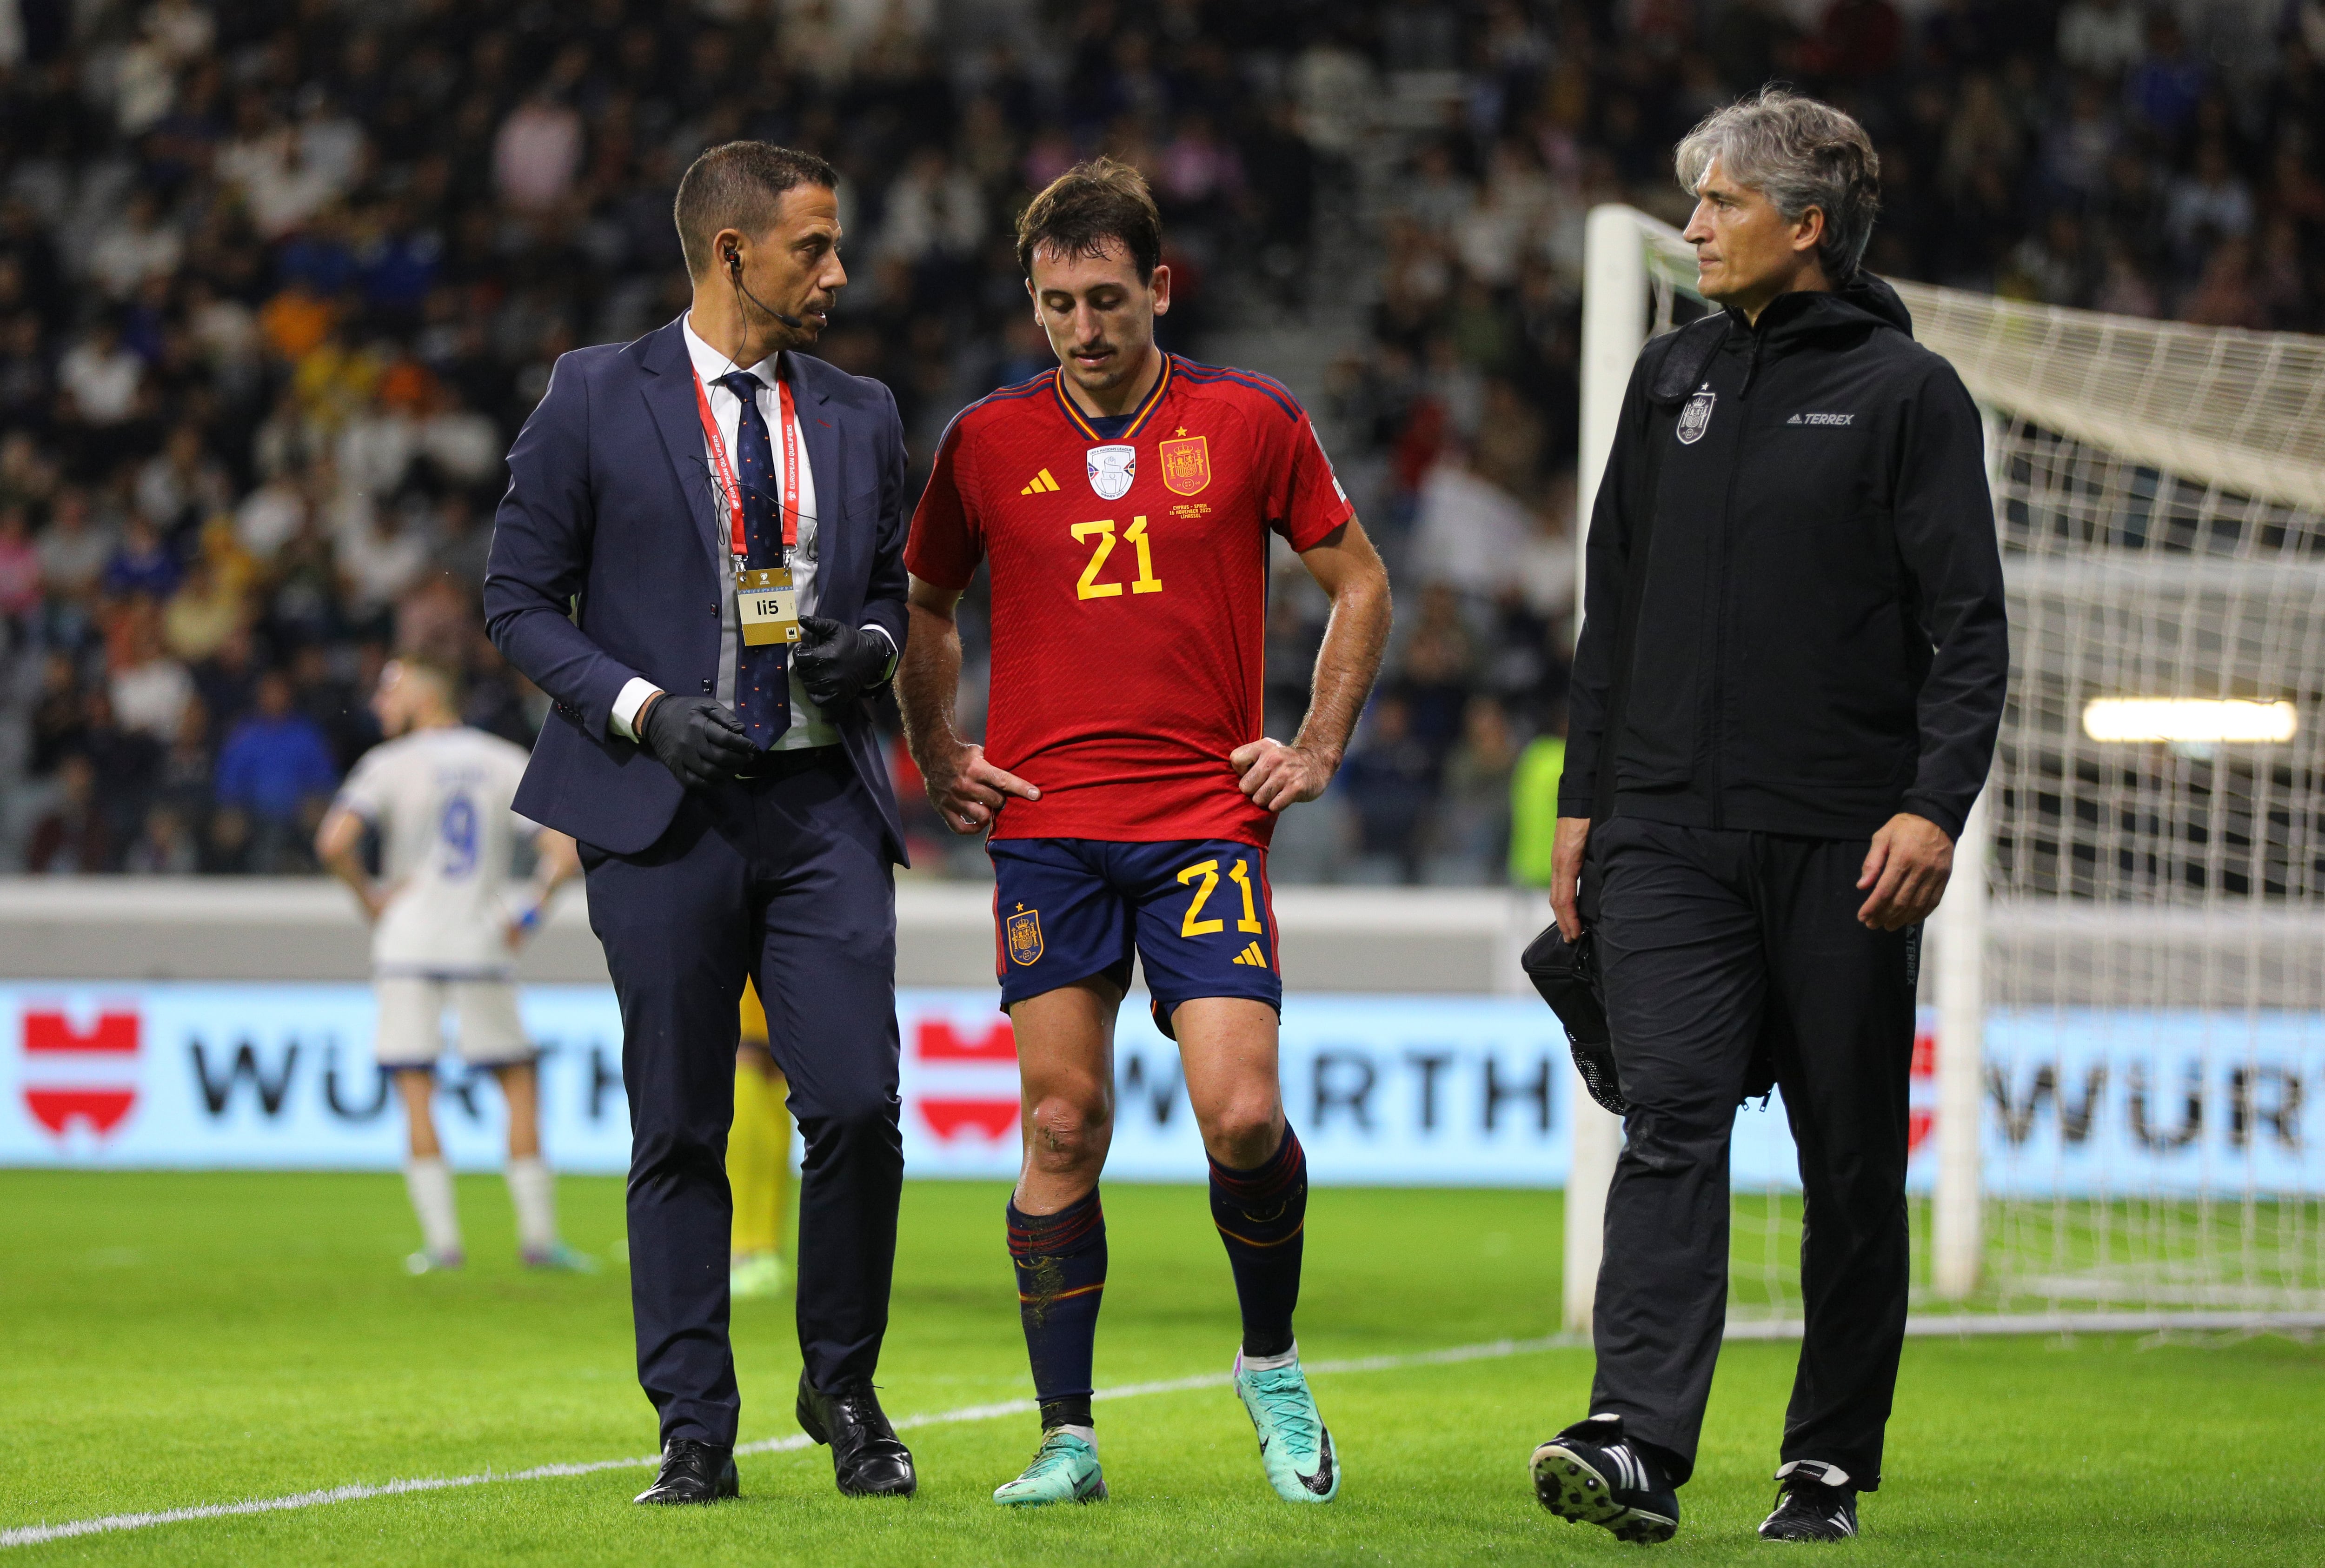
(1294,1448)
(1064,1470)
(559,1258)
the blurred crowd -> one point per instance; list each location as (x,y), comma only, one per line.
(279,280)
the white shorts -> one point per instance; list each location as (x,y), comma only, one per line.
(411,1022)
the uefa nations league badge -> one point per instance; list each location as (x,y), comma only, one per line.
(1111,469)
(1696,417)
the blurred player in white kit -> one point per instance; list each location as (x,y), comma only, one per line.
(444,935)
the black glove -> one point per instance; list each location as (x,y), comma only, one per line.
(698,739)
(837,664)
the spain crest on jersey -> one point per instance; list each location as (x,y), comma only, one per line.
(1024,932)
(1111,469)
(1186,464)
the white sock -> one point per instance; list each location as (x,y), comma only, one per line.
(532,1188)
(1087,1434)
(1270,1363)
(429,1182)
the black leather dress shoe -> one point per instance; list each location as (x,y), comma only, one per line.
(866,1460)
(693,1472)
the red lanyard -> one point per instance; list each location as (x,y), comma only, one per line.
(789,419)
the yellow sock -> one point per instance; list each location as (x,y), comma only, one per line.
(755,1163)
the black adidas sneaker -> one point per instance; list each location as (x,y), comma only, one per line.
(1815,1503)
(1590,1474)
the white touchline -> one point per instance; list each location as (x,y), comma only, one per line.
(1918,1327)
(34,1534)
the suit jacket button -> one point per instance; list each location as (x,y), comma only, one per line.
(706,686)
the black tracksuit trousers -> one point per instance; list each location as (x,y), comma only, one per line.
(1712,943)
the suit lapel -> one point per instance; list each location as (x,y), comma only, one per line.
(820,430)
(669,394)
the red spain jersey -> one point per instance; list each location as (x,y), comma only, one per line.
(1130,591)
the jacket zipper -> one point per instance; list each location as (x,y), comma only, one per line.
(1719,590)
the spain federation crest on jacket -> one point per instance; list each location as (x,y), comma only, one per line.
(1695,418)
(1025,929)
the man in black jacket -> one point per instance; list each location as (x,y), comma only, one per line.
(1790,673)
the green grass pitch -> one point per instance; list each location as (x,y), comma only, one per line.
(173,1341)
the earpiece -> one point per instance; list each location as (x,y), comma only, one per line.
(735,274)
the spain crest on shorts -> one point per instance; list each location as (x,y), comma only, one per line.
(1023,930)
(1186,464)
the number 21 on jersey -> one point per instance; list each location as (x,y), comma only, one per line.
(1102,533)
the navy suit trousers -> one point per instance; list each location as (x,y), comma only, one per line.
(786,878)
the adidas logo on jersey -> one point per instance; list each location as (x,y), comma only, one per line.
(1041,486)
(1252,955)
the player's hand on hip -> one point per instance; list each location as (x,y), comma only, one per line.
(1276,775)
(968,793)
(698,739)
(1573,836)
(837,663)
(1907,868)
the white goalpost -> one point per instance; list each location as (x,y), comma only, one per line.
(2123,997)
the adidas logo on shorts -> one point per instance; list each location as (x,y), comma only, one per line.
(1252,955)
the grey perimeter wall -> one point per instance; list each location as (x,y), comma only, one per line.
(1398,941)
(1416,940)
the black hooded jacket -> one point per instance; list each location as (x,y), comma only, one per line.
(1821,641)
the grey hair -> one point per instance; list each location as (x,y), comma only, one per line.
(1800,153)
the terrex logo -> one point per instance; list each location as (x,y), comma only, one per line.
(1822,419)
(72,1074)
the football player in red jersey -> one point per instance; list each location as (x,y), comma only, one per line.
(1124,503)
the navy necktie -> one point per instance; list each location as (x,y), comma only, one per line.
(763,687)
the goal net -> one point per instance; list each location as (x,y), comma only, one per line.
(2119,1087)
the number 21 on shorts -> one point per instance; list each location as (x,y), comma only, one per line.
(1207,872)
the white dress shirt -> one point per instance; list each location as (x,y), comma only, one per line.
(808,727)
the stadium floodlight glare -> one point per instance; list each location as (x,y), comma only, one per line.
(2189,720)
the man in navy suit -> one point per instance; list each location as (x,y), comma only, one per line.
(699,560)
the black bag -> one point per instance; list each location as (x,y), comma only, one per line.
(1565,973)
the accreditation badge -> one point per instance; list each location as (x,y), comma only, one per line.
(767,606)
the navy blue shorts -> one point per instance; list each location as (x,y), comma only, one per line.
(1197,913)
